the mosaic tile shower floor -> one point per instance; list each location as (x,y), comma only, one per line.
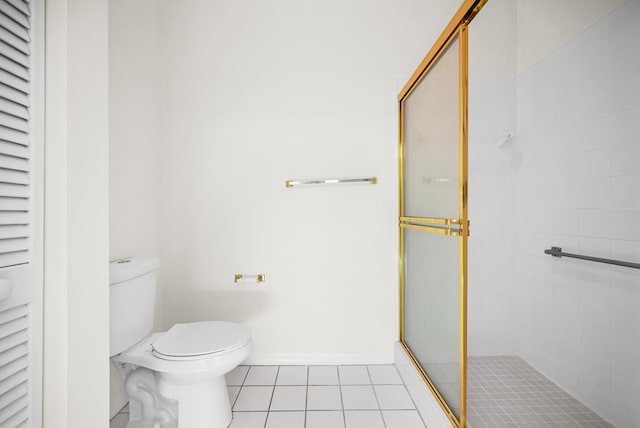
(505,391)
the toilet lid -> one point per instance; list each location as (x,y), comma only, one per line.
(201,338)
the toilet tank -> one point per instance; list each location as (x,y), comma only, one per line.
(132,294)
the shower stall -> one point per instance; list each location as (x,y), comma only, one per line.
(524,119)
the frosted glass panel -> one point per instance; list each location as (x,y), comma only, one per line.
(432,309)
(431,137)
(431,141)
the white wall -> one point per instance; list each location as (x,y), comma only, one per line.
(252,94)
(545,25)
(134,98)
(578,133)
(255,94)
(76,334)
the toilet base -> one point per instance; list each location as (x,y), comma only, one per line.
(204,404)
(147,407)
(196,386)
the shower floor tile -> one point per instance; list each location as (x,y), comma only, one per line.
(505,391)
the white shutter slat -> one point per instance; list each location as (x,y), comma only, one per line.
(7,384)
(13,177)
(13,245)
(16,15)
(14,41)
(19,420)
(21,6)
(14,204)
(14,68)
(14,191)
(14,163)
(14,410)
(13,367)
(13,136)
(14,330)
(12,314)
(9,218)
(12,81)
(13,122)
(14,55)
(14,109)
(14,27)
(14,340)
(13,394)
(14,259)
(13,95)
(14,231)
(16,150)
(13,354)
(10,94)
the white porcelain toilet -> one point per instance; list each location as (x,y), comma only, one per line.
(175,378)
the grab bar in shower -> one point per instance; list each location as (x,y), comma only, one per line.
(557,252)
(292,183)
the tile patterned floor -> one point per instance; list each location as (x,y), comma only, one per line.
(507,392)
(317,397)
(502,392)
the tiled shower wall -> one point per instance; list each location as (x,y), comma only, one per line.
(493,165)
(578,187)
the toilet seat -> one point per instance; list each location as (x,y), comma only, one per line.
(199,340)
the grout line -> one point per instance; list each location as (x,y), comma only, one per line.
(244,378)
(273,392)
(344,417)
(306,401)
(384,423)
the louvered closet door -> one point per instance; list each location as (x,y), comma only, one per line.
(21,152)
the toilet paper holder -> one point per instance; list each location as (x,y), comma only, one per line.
(239,277)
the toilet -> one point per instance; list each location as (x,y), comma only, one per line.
(174,379)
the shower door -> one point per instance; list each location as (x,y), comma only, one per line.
(433,217)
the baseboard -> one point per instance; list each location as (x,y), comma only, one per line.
(317,359)
(117,403)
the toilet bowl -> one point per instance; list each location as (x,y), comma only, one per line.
(189,362)
(175,378)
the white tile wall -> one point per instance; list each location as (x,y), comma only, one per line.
(491,203)
(578,126)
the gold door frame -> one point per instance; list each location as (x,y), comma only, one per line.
(458,26)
